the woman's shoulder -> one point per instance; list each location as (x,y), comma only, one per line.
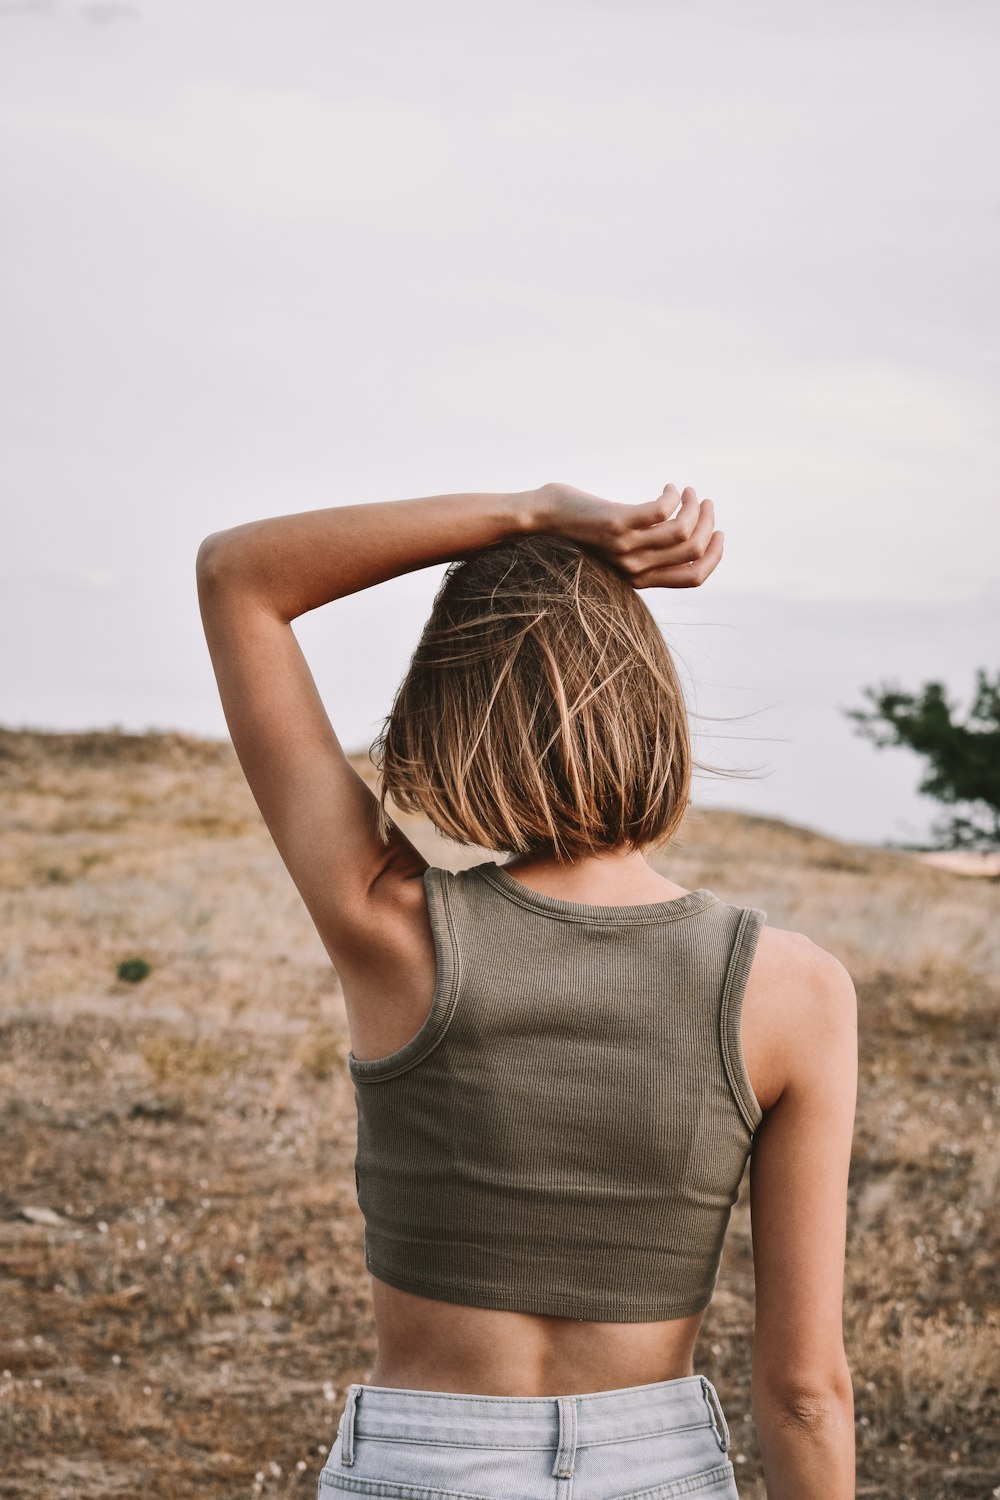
(798,1003)
(799,959)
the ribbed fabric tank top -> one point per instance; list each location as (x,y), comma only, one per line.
(568,1130)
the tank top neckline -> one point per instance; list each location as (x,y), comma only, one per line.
(586,911)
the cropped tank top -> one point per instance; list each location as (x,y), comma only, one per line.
(568,1130)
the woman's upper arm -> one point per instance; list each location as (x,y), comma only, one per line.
(319,811)
(798,1183)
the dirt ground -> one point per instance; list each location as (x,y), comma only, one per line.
(181,1271)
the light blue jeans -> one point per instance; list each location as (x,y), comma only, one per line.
(644,1442)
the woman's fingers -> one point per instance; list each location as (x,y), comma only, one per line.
(682,539)
(669,542)
(683,575)
(659,514)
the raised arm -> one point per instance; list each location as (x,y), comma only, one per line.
(292,564)
(802,1395)
(255,579)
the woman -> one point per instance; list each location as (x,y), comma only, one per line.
(562,1063)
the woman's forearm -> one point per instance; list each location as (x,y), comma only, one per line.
(295,563)
(291,564)
(808,1450)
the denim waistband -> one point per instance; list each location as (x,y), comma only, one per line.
(563,1422)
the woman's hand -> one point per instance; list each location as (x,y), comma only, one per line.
(649,543)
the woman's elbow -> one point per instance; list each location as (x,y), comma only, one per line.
(806,1396)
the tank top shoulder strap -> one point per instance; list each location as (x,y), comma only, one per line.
(748,929)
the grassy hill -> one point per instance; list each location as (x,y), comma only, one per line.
(187,1321)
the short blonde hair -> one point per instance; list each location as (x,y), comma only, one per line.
(541,711)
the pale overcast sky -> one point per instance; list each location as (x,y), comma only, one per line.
(259,257)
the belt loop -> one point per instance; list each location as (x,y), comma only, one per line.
(566,1456)
(347,1426)
(719,1424)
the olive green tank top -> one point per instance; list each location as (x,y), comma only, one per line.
(568,1130)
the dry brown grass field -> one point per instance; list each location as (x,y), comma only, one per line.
(184,1319)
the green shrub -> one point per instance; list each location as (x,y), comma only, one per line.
(133,969)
